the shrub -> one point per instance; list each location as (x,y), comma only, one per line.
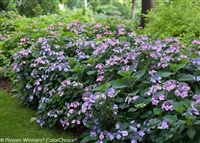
(17,33)
(176,18)
(125,12)
(121,86)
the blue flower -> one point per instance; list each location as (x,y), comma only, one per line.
(155,78)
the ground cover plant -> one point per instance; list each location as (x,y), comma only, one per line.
(15,123)
(121,86)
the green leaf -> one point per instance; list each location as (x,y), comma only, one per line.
(118,85)
(91,72)
(36,54)
(186,78)
(178,107)
(124,73)
(96,88)
(123,106)
(157,111)
(108,85)
(33,119)
(139,74)
(146,81)
(139,100)
(134,93)
(167,117)
(176,67)
(191,133)
(174,118)
(197,122)
(87,139)
(186,103)
(188,53)
(146,114)
(119,100)
(166,74)
(124,126)
(180,66)
(132,109)
(160,140)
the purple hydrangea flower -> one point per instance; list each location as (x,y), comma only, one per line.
(117,126)
(197,78)
(156,98)
(164,124)
(197,98)
(196,61)
(169,85)
(181,92)
(124,133)
(93,134)
(110,92)
(168,105)
(118,136)
(193,110)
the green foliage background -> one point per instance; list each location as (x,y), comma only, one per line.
(177,18)
(32,8)
(7,5)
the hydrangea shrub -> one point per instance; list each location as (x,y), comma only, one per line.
(121,86)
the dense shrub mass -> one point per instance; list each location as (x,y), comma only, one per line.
(17,33)
(177,18)
(121,86)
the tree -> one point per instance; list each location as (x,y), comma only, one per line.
(72,3)
(32,8)
(133,10)
(7,5)
(146,6)
(95,3)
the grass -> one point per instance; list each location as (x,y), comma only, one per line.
(15,125)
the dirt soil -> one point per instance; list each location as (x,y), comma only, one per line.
(5,84)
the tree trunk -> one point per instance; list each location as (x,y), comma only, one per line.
(85,3)
(133,10)
(146,6)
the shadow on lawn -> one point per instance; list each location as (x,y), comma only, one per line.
(5,84)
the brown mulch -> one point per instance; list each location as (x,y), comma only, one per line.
(5,84)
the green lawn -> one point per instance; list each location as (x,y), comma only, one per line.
(15,125)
